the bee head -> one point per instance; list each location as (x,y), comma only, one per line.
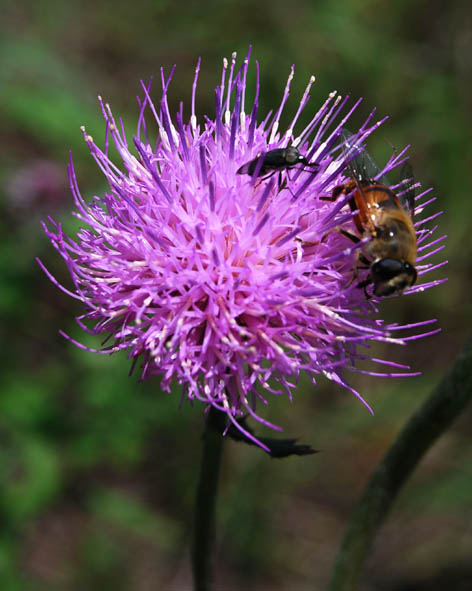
(392,277)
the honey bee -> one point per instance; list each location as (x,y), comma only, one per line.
(275,161)
(386,218)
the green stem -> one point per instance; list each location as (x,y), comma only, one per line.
(437,413)
(204,523)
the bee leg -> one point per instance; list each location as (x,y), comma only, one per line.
(334,194)
(345,233)
(363,285)
(365,265)
(349,235)
(356,269)
(358,254)
(305,243)
(359,257)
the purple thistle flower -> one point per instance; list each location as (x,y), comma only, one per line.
(228,284)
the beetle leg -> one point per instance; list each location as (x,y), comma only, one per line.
(267,176)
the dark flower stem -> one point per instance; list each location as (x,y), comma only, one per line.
(437,413)
(204,522)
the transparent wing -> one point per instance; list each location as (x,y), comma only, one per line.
(406,190)
(361,164)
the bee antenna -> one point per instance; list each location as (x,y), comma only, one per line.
(394,150)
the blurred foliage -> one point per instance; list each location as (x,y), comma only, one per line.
(99,470)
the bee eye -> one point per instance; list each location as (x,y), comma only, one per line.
(412,274)
(386,269)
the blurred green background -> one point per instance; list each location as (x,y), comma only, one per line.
(98,472)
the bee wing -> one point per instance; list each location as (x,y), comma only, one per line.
(406,190)
(361,166)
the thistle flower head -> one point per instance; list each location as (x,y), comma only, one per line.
(228,284)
